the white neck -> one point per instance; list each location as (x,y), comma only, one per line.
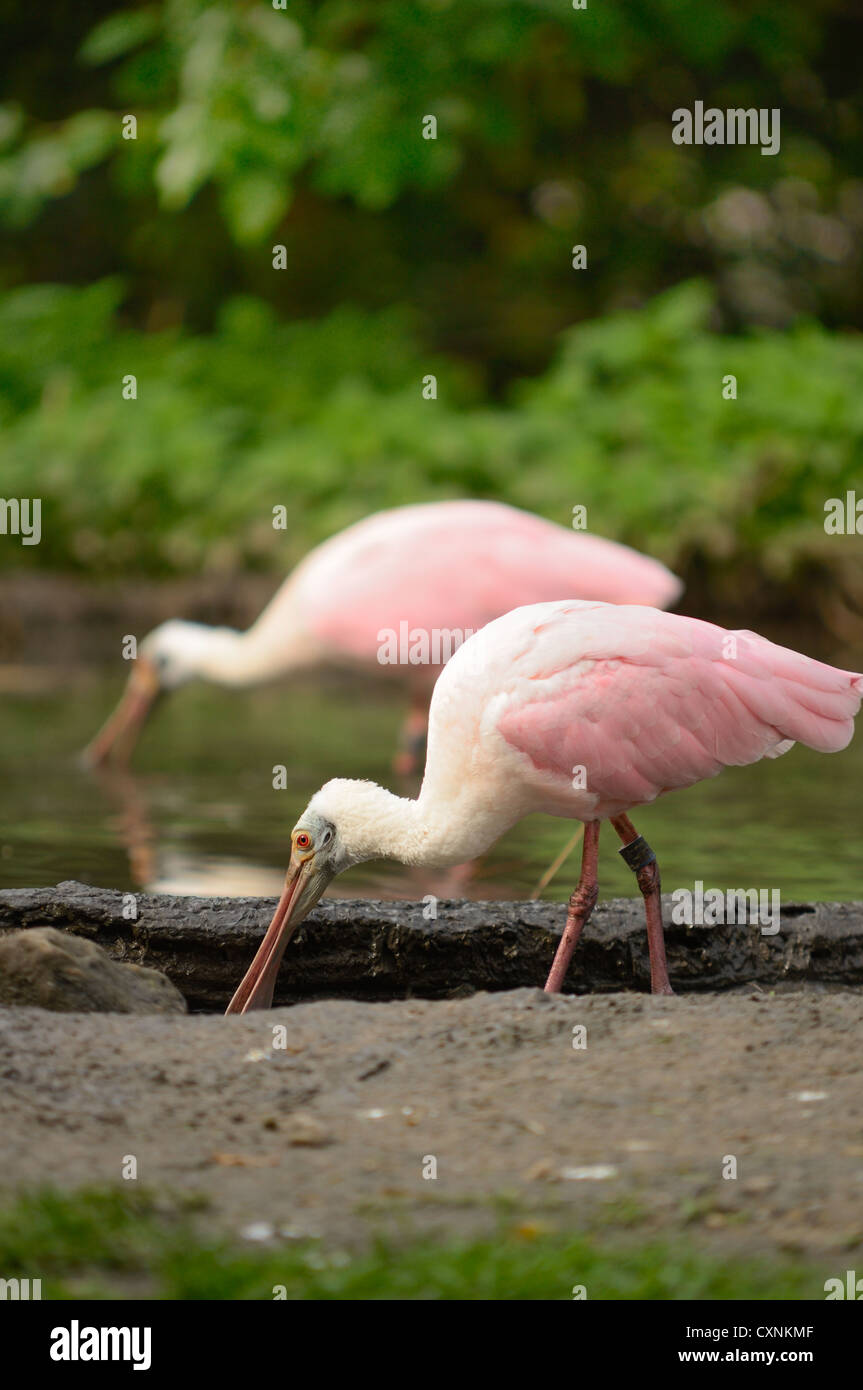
(432,831)
(227,657)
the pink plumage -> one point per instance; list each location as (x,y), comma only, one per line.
(645,701)
(450,565)
(420,579)
(574,709)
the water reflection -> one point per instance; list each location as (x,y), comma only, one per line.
(200,813)
(157,865)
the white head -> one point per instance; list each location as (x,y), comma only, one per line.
(361,816)
(345,823)
(179,651)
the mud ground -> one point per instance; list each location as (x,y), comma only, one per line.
(330,1135)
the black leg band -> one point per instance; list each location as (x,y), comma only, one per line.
(638,854)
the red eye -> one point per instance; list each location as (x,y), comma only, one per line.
(303,840)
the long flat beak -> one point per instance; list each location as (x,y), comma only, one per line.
(259,981)
(119,734)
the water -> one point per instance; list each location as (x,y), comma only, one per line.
(199,813)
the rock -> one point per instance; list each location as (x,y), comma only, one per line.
(304,1131)
(387,950)
(49,969)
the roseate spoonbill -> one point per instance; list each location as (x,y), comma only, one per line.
(575,709)
(435,568)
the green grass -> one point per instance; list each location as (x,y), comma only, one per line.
(120,1244)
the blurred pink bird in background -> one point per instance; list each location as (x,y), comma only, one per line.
(434,568)
(574,709)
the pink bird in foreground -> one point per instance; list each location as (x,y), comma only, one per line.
(575,709)
(440,570)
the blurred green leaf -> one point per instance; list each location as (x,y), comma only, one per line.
(253,204)
(119,33)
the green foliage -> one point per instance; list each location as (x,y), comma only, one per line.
(224,428)
(303,125)
(265,92)
(328,419)
(88,1244)
(50,163)
(633,412)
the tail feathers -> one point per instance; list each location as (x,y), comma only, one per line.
(780,748)
(805,701)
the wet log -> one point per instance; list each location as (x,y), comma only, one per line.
(388,950)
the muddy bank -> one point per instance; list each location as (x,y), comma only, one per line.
(388,950)
(320,1120)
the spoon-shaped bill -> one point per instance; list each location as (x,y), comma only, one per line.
(118,735)
(305,883)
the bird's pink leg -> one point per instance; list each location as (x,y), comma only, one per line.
(641,859)
(581,905)
(412,737)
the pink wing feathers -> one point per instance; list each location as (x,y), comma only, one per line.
(459,565)
(648,701)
